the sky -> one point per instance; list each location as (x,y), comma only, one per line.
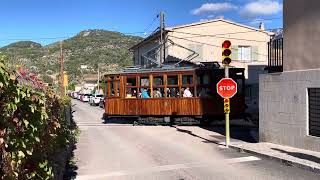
(47,21)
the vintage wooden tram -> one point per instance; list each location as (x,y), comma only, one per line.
(181,95)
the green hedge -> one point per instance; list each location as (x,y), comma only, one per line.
(34,129)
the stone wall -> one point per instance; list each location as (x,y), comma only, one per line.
(283,112)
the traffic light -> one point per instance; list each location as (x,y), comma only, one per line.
(226,52)
(226,105)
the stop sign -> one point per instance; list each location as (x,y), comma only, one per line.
(226,87)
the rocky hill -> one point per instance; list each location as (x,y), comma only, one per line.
(89,48)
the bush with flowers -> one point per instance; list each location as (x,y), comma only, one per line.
(35,127)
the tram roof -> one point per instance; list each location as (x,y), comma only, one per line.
(137,70)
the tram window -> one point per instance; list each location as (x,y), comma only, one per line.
(144,81)
(173,92)
(158,81)
(239,86)
(203,92)
(187,79)
(131,81)
(158,87)
(144,93)
(173,80)
(158,92)
(187,92)
(132,93)
(111,89)
(203,79)
(114,88)
(117,88)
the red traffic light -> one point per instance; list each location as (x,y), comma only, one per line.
(226,100)
(226,44)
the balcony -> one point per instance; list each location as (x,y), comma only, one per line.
(275,55)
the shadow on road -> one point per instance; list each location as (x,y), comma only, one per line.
(300,155)
(192,134)
(243,133)
(71,167)
(117,120)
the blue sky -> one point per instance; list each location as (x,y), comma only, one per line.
(56,19)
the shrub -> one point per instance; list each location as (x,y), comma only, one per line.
(34,129)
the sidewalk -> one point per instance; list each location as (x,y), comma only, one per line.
(308,160)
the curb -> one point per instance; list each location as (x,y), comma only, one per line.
(277,159)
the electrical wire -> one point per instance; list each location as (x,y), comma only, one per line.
(212,44)
(149,26)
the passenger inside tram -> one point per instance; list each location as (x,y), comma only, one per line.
(144,93)
(187,92)
(157,93)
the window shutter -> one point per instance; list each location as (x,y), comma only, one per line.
(255,53)
(234,55)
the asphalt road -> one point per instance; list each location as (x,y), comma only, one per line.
(123,151)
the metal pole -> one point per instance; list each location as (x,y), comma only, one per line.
(98,78)
(62,70)
(226,72)
(161,36)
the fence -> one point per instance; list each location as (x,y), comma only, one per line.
(275,55)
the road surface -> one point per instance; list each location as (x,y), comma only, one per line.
(123,151)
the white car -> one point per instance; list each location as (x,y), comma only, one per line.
(95,99)
(85,98)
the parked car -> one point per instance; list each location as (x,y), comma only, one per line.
(85,97)
(102,102)
(79,96)
(95,99)
(75,95)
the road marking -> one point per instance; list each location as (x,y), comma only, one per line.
(165,168)
(242,159)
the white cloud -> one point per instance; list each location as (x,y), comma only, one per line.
(214,7)
(261,7)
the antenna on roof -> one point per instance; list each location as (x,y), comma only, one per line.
(261,26)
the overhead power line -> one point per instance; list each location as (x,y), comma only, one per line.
(213,45)
(151,24)
(219,35)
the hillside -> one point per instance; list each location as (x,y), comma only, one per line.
(89,48)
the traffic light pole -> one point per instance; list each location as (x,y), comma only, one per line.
(226,74)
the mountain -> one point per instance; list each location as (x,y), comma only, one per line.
(88,47)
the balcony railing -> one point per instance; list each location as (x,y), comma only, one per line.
(275,55)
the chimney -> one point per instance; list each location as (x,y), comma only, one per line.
(261,26)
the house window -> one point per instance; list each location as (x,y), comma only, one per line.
(244,53)
(314,111)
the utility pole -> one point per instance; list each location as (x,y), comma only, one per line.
(98,79)
(62,70)
(162,43)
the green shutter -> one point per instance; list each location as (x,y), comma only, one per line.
(234,55)
(255,53)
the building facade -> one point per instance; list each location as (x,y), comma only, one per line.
(290,99)
(201,42)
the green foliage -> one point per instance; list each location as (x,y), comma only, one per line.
(33,129)
(88,47)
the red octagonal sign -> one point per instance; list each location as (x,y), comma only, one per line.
(227,88)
